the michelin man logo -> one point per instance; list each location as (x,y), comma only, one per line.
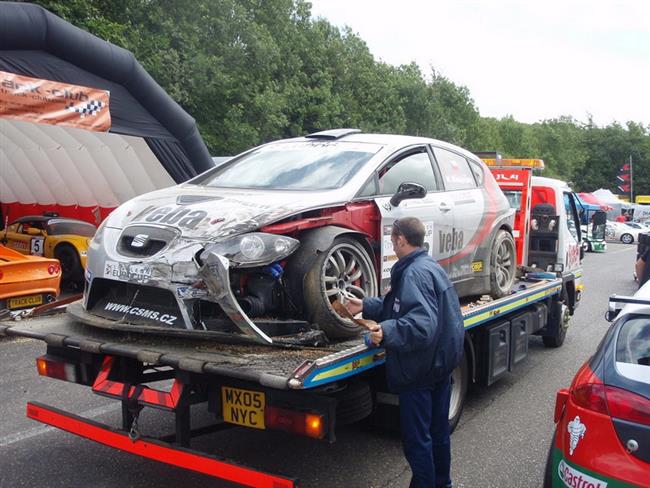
(576,431)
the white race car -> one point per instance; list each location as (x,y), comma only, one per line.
(626,232)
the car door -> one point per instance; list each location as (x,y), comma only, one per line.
(414,165)
(17,239)
(464,192)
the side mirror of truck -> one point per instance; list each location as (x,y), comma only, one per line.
(407,191)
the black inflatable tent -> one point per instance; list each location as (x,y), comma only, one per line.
(152,142)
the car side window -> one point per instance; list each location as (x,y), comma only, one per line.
(455,170)
(477,170)
(415,167)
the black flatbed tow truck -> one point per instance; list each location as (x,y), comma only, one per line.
(301,389)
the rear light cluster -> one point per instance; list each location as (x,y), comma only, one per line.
(57,369)
(301,423)
(612,401)
(54,269)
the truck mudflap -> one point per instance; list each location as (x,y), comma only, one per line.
(156,450)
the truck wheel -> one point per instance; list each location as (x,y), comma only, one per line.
(71,270)
(503,264)
(460,379)
(627,239)
(354,403)
(345,265)
(560,316)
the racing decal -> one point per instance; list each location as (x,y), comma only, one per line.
(49,102)
(576,430)
(389,258)
(187,292)
(36,246)
(127,272)
(574,478)
(450,241)
(477,266)
(182,217)
(19,245)
(141,312)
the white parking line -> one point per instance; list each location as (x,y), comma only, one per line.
(28,434)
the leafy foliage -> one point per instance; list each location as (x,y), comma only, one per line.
(251,71)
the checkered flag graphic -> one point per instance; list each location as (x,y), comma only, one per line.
(91,107)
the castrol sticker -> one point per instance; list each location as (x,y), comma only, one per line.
(574,478)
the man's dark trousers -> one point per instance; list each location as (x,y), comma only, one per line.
(424,421)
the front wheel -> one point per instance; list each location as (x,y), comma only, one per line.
(344,266)
(503,264)
(627,239)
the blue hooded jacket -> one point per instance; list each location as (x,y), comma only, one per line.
(422,323)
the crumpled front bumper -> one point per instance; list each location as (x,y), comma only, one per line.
(214,270)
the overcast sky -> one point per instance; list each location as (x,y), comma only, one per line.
(534,60)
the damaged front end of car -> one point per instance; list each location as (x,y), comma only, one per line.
(151,278)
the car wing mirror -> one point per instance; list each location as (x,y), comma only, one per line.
(407,191)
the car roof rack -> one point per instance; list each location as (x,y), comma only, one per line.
(332,134)
(615,300)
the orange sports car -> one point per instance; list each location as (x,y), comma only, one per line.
(27,281)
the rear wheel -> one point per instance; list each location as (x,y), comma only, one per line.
(344,266)
(627,239)
(71,269)
(503,264)
(561,315)
(460,379)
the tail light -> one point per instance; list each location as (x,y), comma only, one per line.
(612,401)
(54,368)
(54,269)
(302,423)
(625,405)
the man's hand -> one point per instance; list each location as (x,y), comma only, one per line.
(354,305)
(377,335)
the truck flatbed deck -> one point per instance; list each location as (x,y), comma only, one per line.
(280,367)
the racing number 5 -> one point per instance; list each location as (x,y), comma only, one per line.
(36,246)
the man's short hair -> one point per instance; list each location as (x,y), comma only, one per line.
(411,228)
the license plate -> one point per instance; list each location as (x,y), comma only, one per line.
(243,407)
(22,302)
(127,272)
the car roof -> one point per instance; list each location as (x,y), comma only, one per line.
(394,140)
(45,218)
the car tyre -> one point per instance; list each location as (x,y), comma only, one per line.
(460,380)
(71,269)
(344,265)
(548,470)
(503,264)
(627,238)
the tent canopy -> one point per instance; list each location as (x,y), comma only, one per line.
(150,142)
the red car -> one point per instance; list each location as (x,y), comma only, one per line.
(602,437)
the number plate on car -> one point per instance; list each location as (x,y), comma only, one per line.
(243,407)
(22,302)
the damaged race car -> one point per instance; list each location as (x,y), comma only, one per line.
(262,245)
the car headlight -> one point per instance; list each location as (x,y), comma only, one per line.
(255,249)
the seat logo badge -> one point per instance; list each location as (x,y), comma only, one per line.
(140,240)
(576,431)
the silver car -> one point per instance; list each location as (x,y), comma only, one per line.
(261,245)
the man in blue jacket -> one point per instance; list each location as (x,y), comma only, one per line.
(421,327)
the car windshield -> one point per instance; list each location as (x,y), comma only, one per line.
(66,227)
(293,166)
(633,349)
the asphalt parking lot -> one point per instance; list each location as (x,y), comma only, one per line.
(501,441)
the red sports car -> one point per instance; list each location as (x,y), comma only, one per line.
(602,438)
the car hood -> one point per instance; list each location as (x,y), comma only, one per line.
(200,212)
